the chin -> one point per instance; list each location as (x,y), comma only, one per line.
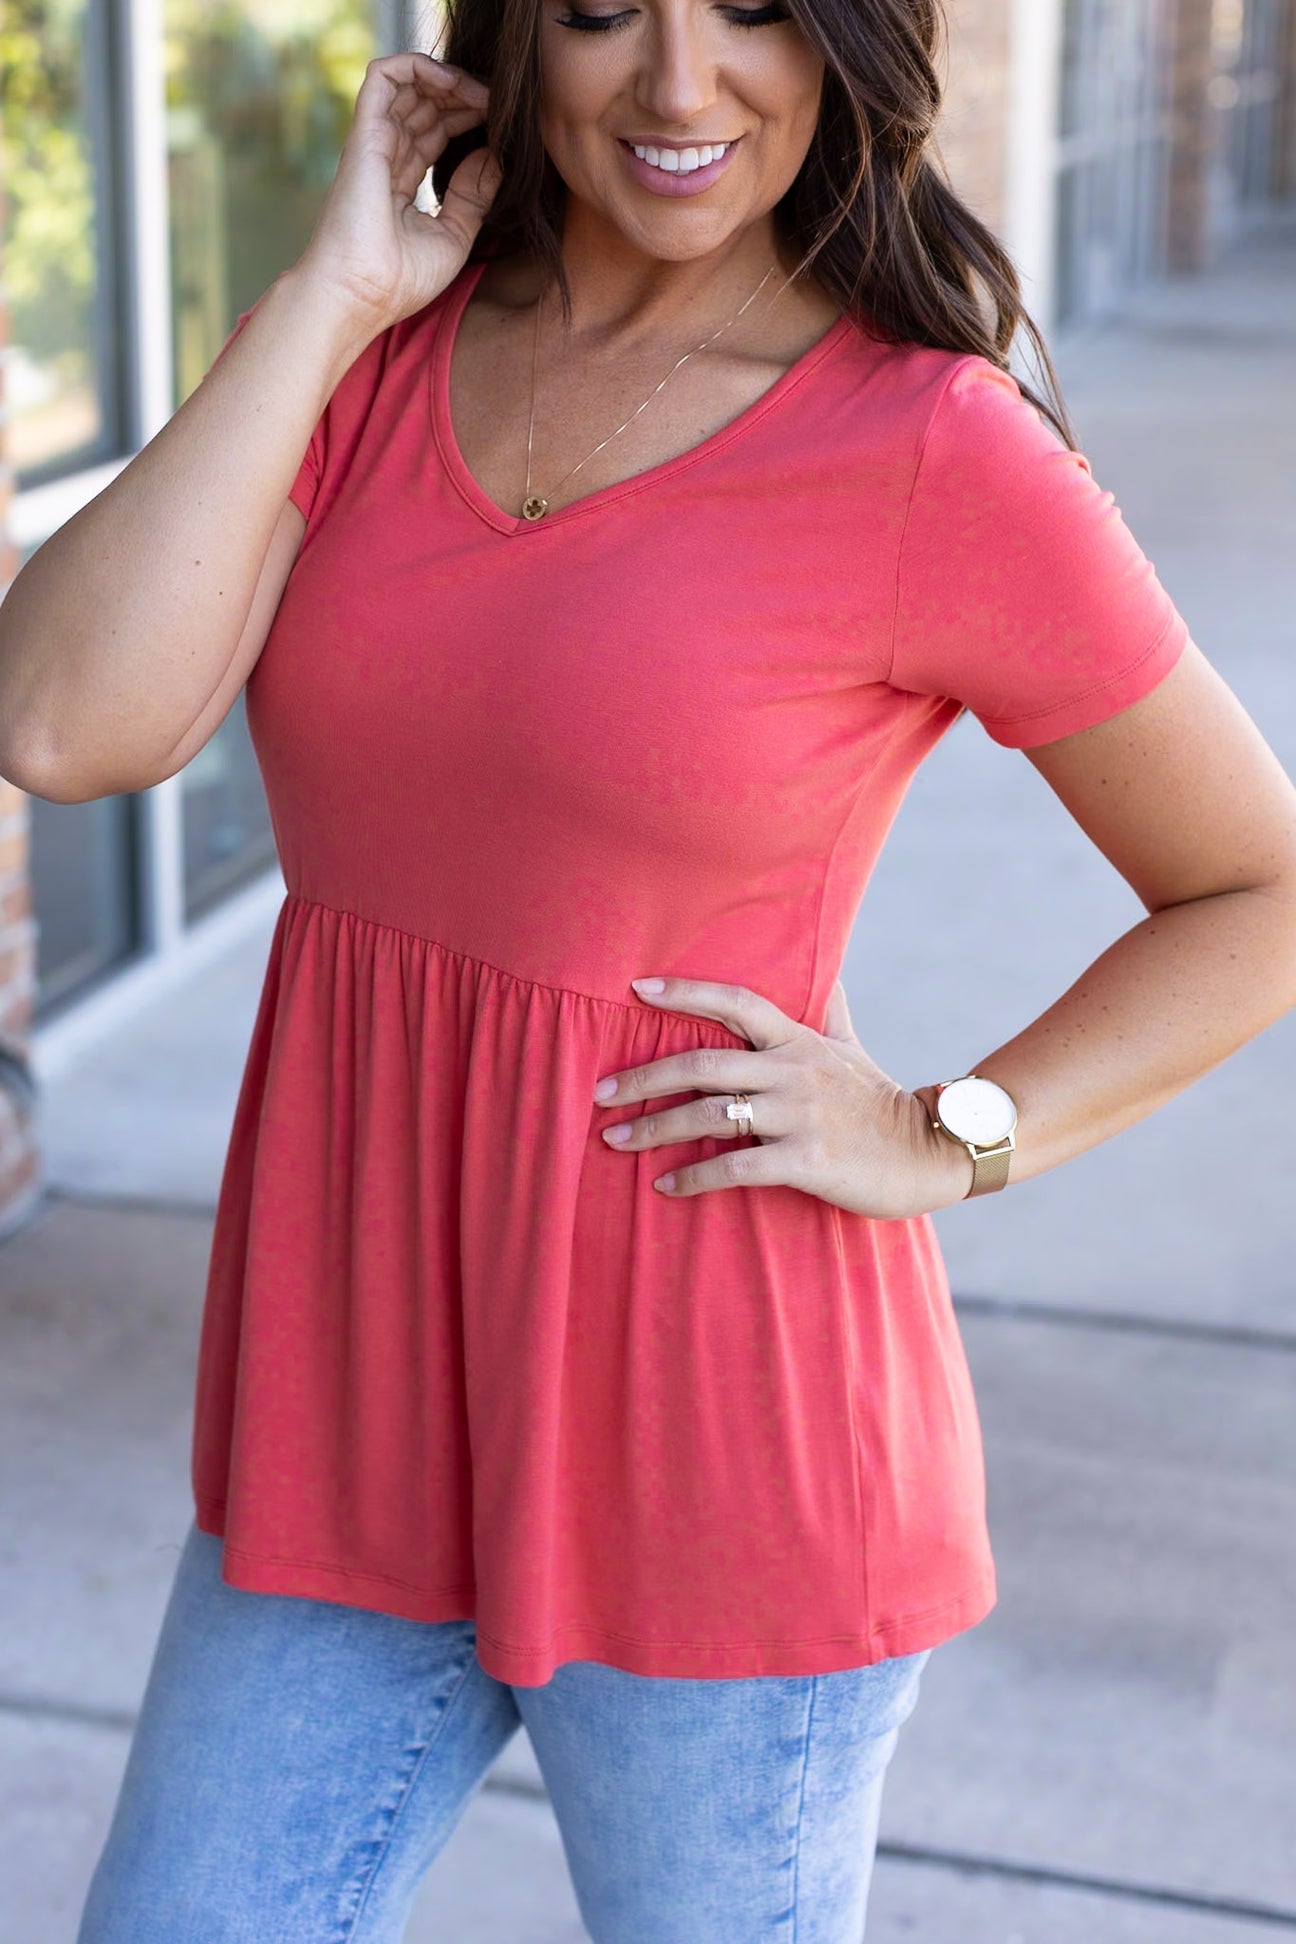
(678,234)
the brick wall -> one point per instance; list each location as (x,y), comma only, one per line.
(19,1159)
(974,132)
(1188,237)
(973,138)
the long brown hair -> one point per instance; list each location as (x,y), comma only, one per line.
(871,207)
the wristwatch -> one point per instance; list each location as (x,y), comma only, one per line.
(981,1116)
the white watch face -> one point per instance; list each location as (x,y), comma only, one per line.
(977,1110)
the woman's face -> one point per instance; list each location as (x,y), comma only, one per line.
(675,77)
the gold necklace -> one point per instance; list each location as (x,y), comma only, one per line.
(534,507)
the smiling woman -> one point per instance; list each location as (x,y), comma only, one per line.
(577,1348)
(833,106)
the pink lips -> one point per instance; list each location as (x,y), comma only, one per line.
(663,184)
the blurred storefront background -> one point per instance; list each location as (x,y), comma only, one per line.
(163,160)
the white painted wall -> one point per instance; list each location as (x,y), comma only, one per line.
(1031,189)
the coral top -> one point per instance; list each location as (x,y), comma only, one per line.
(458,1358)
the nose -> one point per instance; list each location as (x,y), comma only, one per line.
(678,79)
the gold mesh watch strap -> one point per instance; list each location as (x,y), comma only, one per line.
(989,1168)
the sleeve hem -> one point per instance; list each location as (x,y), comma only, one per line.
(1100,700)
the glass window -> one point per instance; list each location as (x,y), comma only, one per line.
(85,895)
(259,97)
(227,833)
(1249,51)
(1113,151)
(61,256)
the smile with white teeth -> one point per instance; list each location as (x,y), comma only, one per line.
(680,161)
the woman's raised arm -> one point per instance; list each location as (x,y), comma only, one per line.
(126,636)
(119,629)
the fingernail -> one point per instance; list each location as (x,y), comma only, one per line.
(649,985)
(604,1089)
(665,1183)
(615,1135)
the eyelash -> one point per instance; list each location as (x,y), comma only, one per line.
(739,17)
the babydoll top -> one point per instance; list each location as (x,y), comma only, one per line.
(458,1358)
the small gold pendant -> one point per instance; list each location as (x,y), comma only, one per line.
(534,508)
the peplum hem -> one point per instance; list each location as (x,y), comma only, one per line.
(459,1360)
(531,1666)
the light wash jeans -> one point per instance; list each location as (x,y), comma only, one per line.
(298,1764)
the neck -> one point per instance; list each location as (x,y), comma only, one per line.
(619,294)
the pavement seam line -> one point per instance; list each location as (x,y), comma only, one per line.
(35,1708)
(1202,1904)
(1023,1309)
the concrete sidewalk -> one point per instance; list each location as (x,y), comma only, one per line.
(1111,1755)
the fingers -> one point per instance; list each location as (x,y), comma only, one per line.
(748,1014)
(715,1069)
(425,101)
(699,1120)
(423,138)
(415,76)
(428,123)
(438,77)
(431,103)
(736,1167)
(469,194)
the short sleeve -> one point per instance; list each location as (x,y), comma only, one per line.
(1021,592)
(305,486)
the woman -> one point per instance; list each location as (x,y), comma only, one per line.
(577,1348)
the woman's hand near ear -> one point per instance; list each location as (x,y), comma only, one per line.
(371,243)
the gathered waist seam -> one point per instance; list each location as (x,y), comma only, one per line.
(639,1010)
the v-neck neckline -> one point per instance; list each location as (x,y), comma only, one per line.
(495,516)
